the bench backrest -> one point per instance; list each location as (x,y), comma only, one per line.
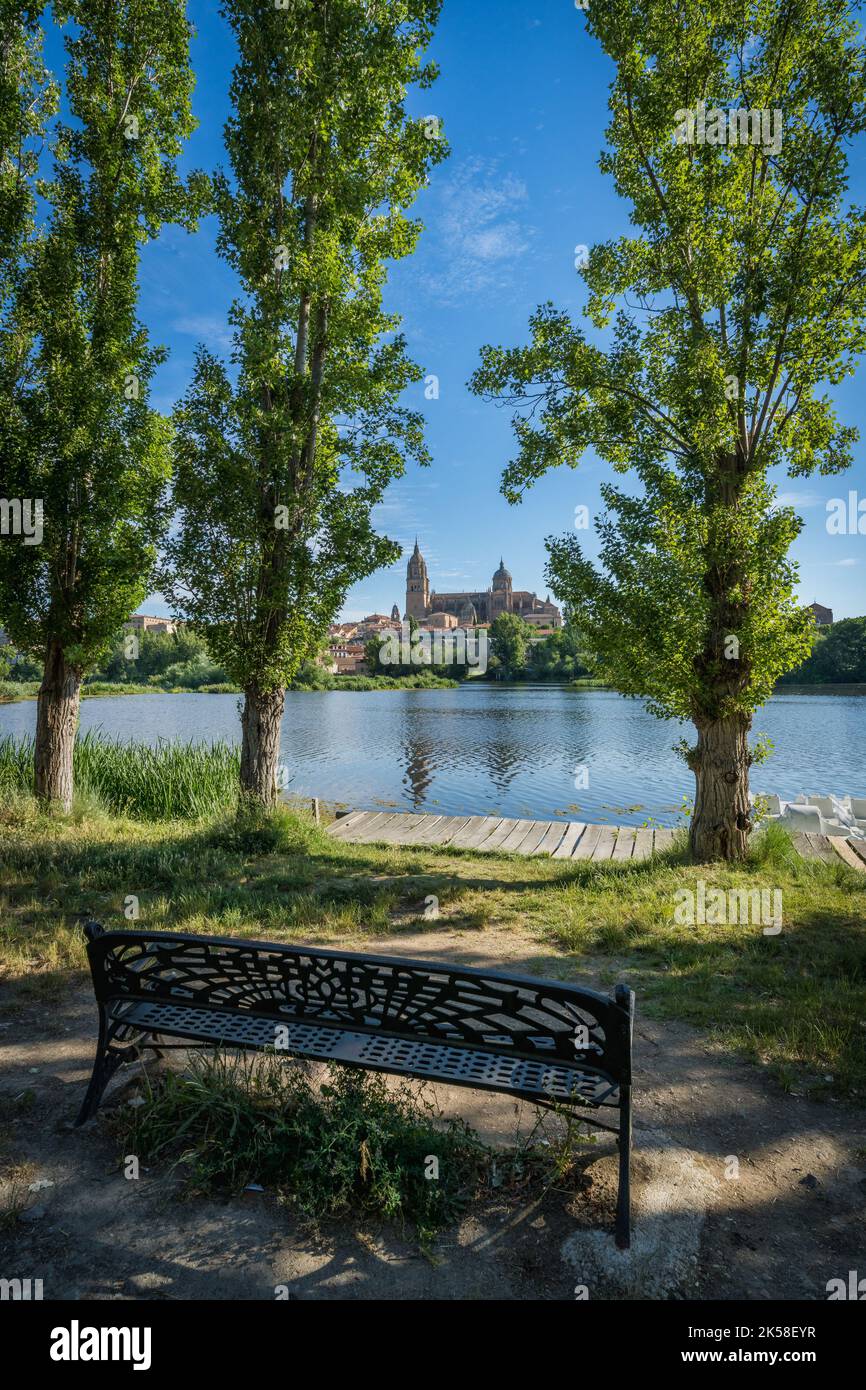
(516,1016)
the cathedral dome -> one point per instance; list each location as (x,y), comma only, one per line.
(502,579)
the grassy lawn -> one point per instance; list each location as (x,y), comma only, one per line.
(795,1002)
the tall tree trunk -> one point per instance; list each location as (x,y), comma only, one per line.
(261,722)
(56,722)
(721,821)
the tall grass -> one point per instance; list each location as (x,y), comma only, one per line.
(170,781)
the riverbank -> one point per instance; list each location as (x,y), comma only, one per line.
(12,691)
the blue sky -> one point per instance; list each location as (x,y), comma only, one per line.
(523,98)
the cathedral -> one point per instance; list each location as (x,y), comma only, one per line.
(480,608)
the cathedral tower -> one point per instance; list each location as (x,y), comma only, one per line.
(501,595)
(417,586)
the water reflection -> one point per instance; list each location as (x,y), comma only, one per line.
(515,750)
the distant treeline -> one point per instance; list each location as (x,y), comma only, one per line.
(181,661)
(838,656)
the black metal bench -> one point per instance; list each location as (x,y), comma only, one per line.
(549,1043)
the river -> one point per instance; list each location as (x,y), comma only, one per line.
(538,751)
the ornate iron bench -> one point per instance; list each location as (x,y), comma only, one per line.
(549,1043)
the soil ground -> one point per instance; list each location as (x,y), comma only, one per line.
(780,1222)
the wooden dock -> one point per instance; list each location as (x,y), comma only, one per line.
(495,834)
(560,839)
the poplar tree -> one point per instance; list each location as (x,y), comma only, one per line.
(77,433)
(282,454)
(721,322)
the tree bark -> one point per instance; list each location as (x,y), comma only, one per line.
(722,820)
(261,722)
(56,723)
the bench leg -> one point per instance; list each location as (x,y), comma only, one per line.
(105,1065)
(623,1201)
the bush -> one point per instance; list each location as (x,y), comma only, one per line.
(254,831)
(354,1146)
(192,674)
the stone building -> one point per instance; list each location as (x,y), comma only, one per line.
(143,622)
(471,609)
(823,616)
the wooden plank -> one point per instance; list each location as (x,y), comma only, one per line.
(345,823)
(553,837)
(492,825)
(512,842)
(502,831)
(396,829)
(844,851)
(573,832)
(364,827)
(444,833)
(420,822)
(587,842)
(605,845)
(624,847)
(535,837)
(820,847)
(476,827)
(423,830)
(643,844)
(859,848)
(662,840)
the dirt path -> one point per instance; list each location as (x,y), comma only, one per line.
(780,1222)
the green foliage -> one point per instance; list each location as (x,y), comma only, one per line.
(509,642)
(354,1146)
(419,673)
(740,295)
(19,667)
(318,679)
(560,657)
(838,657)
(171,781)
(158,652)
(76,429)
(280,462)
(28,99)
(256,830)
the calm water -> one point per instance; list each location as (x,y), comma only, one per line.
(512,750)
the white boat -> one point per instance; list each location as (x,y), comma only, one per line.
(843,817)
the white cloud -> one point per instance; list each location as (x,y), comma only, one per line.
(479,231)
(799,500)
(214,332)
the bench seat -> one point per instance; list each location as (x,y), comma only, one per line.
(432,1061)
